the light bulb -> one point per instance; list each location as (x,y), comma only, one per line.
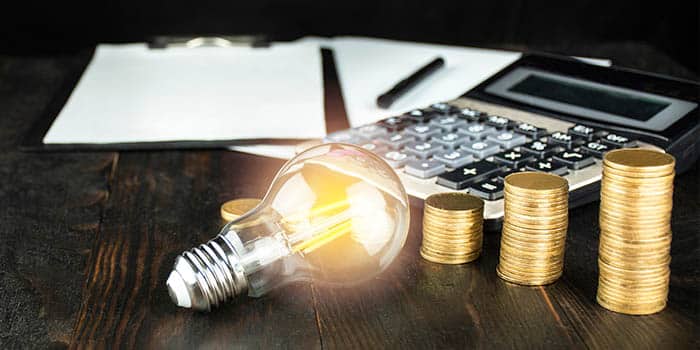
(335,213)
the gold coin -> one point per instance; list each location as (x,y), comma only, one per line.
(233,209)
(529,280)
(454,201)
(638,160)
(536,183)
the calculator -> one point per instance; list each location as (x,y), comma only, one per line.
(541,113)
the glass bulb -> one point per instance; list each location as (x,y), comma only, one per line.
(335,213)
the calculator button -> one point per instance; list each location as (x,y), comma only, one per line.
(574,160)
(585,132)
(477,131)
(396,123)
(512,158)
(448,122)
(507,139)
(422,131)
(422,149)
(497,121)
(529,130)
(424,168)
(420,116)
(489,190)
(396,140)
(470,115)
(444,108)
(369,131)
(540,149)
(397,159)
(460,178)
(566,140)
(454,159)
(547,166)
(596,149)
(618,141)
(450,140)
(341,136)
(480,149)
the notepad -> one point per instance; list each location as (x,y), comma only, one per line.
(133,94)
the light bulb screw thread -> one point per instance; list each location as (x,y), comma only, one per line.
(208,275)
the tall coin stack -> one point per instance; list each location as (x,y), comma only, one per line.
(534,228)
(636,198)
(452,228)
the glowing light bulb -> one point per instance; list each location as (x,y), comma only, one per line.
(335,213)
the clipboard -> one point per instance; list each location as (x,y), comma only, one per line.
(333,104)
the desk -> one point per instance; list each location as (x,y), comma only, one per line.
(88,239)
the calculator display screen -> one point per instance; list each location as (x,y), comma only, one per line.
(610,101)
(590,100)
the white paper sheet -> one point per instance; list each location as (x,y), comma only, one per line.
(130,93)
(368,67)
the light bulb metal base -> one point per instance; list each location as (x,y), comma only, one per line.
(208,275)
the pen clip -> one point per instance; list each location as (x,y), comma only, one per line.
(164,42)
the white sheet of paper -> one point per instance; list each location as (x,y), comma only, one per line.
(130,93)
(368,67)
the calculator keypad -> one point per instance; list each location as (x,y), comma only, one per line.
(469,150)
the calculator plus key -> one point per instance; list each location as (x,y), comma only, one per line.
(547,166)
(489,190)
(450,140)
(574,160)
(565,140)
(529,130)
(512,158)
(507,139)
(395,141)
(422,131)
(454,159)
(422,149)
(480,149)
(460,178)
(424,168)
(448,122)
(397,159)
(477,131)
(540,149)
(596,149)
(618,141)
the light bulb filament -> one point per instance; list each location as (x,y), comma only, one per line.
(322,239)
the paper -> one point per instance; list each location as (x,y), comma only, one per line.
(368,67)
(130,93)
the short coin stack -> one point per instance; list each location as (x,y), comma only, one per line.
(534,228)
(635,231)
(452,228)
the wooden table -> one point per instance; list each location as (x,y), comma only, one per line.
(87,241)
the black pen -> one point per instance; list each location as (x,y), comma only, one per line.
(386,99)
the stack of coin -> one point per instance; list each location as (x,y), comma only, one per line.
(534,228)
(635,231)
(452,228)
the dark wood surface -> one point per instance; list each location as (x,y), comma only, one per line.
(88,239)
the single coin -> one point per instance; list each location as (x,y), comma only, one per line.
(233,209)
(639,160)
(536,182)
(454,201)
